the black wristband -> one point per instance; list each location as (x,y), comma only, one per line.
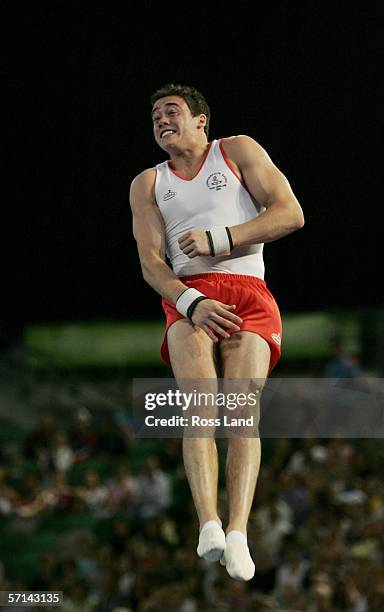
(212,248)
(229,238)
(194,304)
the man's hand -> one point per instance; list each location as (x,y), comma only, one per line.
(194,243)
(213,316)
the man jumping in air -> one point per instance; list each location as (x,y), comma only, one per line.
(210,207)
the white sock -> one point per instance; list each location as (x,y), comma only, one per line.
(237,558)
(211,541)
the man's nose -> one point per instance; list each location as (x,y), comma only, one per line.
(163,121)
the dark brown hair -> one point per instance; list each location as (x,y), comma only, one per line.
(196,102)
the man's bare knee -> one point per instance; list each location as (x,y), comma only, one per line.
(240,386)
(256,385)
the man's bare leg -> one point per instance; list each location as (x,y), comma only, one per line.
(192,357)
(245,357)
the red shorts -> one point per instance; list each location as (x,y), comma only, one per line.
(255,305)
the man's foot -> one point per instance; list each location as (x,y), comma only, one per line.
(211,541)
(237,558)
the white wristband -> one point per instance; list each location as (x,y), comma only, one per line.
(184,300)
(220,241)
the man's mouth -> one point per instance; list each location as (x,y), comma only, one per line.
(166,133)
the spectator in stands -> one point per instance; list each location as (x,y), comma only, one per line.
(348,597)
(64,495)
(32,500)
(154,489)
(43,462)
(292,571)
(120,536)
(341,364)
(77,599)
(311,453)
(126,576)
(87,563)
(94,493)
(123,489)
(41,436)
(8,495)
(273,521)
(295,493)
(62,453)
(322,594)
(82,434)
(111,442)
(269,525)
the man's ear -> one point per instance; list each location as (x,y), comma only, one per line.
(202,120)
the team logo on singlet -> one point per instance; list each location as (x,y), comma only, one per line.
(167,196)
(217,181)
(276,338)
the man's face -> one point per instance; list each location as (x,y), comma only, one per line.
(173,124)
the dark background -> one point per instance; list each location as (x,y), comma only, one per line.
(300,78)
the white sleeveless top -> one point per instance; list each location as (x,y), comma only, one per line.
(215,197)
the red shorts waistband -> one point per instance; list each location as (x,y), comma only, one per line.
(222,276)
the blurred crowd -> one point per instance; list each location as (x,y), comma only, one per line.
(315,531)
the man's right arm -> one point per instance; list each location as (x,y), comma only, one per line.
(149,231)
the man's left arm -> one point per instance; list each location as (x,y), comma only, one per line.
(270,188)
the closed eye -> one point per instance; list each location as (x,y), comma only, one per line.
(156,119)
(169,111)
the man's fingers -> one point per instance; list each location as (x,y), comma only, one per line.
(216,319)
(227,314)
(185,242)
(218,329)
(227,323)
(209,333)
(186,239)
